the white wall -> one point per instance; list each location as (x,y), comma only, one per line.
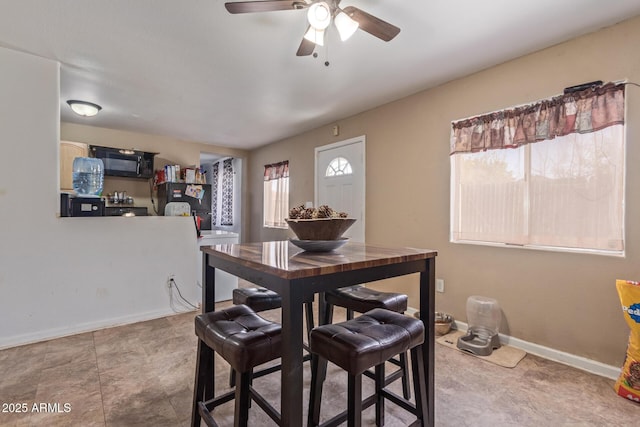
(59,276)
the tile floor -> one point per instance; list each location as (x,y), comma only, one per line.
(142,375)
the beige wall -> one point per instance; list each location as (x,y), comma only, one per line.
(560,300)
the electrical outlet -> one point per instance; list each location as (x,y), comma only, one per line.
(170,280)
(439,285)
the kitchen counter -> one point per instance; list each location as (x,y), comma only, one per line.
(225,282)
(218,234)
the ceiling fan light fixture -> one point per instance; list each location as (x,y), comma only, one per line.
(345,25)
(84,108)
(315,36)
(319,15)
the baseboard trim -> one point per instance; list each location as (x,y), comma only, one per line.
(579,362)
(49,334)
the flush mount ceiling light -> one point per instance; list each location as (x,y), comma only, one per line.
(320,14)
(84,108)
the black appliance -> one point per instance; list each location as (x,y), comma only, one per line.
(123,162)
(81,206)
(200,201)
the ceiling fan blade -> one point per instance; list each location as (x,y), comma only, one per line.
(306,47)
(264,6)
(372,25)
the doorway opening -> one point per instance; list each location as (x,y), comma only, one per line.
(224,174)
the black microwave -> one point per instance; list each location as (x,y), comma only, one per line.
(124,162)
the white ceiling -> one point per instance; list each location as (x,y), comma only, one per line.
(189,69)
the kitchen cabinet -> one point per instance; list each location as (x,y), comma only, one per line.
(68,152)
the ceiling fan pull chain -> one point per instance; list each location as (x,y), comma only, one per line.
(326,55)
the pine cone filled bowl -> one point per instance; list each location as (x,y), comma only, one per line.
(318,224)
(320,228)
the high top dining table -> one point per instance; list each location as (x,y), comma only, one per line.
(296,275)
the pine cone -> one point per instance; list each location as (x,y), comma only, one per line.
(325,211)
(343,215)
(294,213)
(307,213)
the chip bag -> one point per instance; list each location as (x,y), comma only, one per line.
(628,383)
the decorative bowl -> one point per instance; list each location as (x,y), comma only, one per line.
(319,245)
(321,228)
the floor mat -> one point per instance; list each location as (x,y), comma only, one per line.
(505,356)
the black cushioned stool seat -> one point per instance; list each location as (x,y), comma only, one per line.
(245,340)
(359,344)
(261,299)
(362,299)
(258,299)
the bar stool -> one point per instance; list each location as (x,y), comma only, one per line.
(362,299)
(245,340)
(359,344)
(261,299)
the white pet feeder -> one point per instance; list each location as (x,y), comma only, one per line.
(483,317)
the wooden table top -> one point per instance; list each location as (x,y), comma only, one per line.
(285,260)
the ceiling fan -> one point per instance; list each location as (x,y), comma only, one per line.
(320,14)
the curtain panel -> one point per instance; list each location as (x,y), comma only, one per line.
(214,195)
(276,194)
(226,217)
(580,112)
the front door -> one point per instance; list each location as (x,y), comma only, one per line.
(340,181)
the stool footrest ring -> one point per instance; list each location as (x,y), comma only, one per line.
(206,415)
(342,416)
(389,379)
(266,406)
(205,408)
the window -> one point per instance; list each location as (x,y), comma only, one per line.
(550,175)
(338,166)
(276,195)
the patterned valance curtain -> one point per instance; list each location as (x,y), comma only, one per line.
(276,171)
(580,112)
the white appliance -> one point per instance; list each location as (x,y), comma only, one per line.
(177,209)
(225,282)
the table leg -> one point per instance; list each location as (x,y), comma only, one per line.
(208,304)
(291,385)
(427,315)
(208,285)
